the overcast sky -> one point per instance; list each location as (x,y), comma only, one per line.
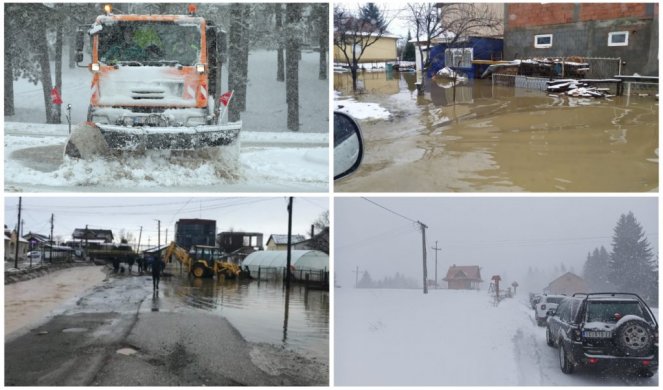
(254,214)
(504,236)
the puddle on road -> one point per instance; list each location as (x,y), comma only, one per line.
(503,139)
(41,158)
(126,351)
(259,311)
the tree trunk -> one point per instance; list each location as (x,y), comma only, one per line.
(353,72)
(244,50)
(278,12)
(324,40)
(234,58)
(9,80)
(46,83)
(58,67)
(292,66)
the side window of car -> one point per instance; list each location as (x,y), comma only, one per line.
(573,313)
(563,311)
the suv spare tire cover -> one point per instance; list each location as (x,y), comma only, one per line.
(634,337)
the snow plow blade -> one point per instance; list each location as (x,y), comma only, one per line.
(89,140)
(169,138)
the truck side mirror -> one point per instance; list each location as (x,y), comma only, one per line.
(80,44)
(222,46)
(348,145)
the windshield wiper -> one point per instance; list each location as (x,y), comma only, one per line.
(130,63)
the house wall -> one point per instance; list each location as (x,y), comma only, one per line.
(460,284)
(384,49)
(272,246)
(582,30)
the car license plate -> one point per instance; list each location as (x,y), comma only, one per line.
(597,335)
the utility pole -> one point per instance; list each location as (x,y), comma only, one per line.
(436,249)
(166,240)
(18,229)
(86,247)
(140,234)
(287,272)
(357,277)
(423,247)
(158,233)
(51,254)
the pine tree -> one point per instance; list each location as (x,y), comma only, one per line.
(372,14)
(631,260)
(365,281)
(409,54)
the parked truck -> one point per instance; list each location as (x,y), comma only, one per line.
(155,86)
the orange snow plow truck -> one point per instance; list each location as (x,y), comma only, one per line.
(155,86)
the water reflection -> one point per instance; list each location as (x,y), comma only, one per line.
(262,312)
(498,138)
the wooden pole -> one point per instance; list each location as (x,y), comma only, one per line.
(423,247)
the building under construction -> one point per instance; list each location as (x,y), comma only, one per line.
(189,232)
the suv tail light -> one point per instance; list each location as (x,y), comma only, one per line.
(595,360)
(646,362)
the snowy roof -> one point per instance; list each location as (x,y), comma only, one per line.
(471,272)
(282,239)
(446,36)
(300,259)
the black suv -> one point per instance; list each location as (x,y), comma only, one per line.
(604,330)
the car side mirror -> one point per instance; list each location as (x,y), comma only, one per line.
(348,145)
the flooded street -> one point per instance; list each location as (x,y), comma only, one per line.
(258,310)
(501,139)
(191,332)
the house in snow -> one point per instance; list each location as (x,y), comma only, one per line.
(279,242)
(464,277)
(567,284)
(10,245)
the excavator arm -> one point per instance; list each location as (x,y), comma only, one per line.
(180,254)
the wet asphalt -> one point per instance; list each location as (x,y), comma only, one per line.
(121,334)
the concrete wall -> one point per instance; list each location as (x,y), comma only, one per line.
(582,30)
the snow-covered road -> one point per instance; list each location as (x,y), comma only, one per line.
(269,162)
(447,338)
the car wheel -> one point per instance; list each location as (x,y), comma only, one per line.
(549,339)
(564,363)
(634,337)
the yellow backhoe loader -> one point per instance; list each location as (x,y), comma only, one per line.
(203,261)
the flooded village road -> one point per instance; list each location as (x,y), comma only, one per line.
(121,334)
(497,139)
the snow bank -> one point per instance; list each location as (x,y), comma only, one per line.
(405,338)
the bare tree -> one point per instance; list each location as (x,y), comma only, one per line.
(323,18)
(278,15)
(293,16)
(353,35)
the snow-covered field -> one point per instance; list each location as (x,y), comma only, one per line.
(272,158)
(447,338)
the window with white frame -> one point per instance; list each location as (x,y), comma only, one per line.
(618,38)
(459,58)
(543,41)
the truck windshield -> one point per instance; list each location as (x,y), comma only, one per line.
(149,43)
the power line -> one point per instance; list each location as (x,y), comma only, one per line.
(391,211)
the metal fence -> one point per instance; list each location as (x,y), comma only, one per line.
(516,81)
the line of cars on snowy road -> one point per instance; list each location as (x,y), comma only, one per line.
(600,331)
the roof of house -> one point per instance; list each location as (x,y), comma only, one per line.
(463,272)
(39,237)
(567,277)
(282,239)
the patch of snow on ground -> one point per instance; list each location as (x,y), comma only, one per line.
(361,110)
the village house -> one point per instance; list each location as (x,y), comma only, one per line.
(238,245)
(465,277)
(98,235)
(10,245)
(567,284)
(318,241)
(606,30)
(36,239)
(279,242)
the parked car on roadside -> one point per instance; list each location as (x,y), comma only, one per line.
(34,255)
(546,303)
(534,299)
(601,330)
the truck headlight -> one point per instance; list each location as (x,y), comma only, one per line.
(200,68)
(95,67)
(103,119)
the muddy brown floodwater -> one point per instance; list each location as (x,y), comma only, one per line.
(498,139)
(32,301)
